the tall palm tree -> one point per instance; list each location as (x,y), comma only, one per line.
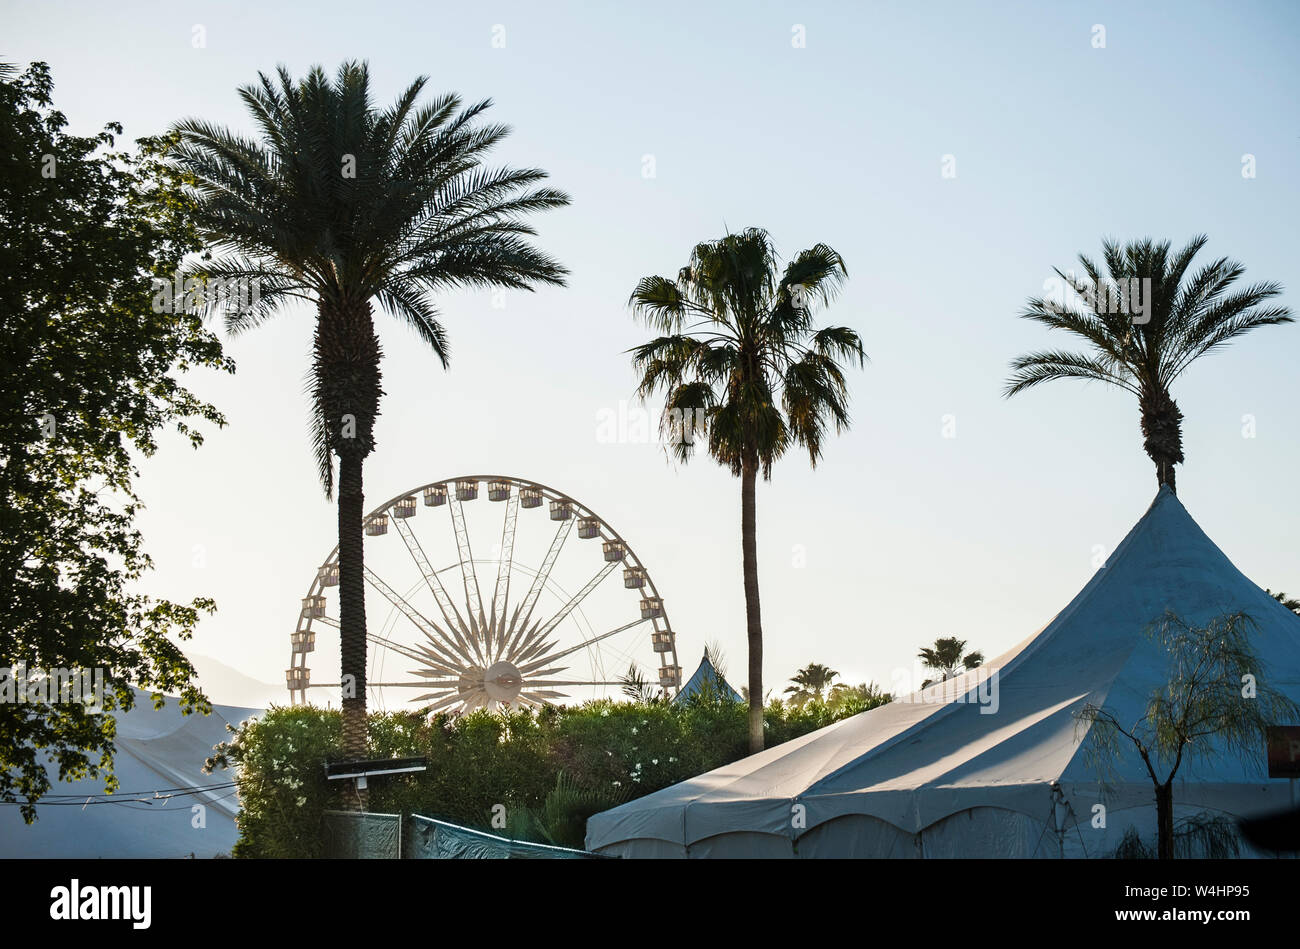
(946,656)
(340,204)
(811,682)
(740,361)
(1143,353)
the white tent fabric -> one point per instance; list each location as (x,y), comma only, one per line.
(923,777)
(157,750)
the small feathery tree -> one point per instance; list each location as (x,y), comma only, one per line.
(1214,703)
(1144,322)
(742,363)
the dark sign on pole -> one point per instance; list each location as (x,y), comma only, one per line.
(1284,751)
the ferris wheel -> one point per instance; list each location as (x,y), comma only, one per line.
(528,639)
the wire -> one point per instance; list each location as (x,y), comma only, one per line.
(184,787)
(73,800)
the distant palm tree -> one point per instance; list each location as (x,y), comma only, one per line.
(715,657)
(339,204)
(810,682)
(739,359)
(946,656)
(1290,602)
(1182,321)
(867,694)
(637,687)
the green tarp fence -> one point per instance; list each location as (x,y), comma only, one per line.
(353,835)
(429,839)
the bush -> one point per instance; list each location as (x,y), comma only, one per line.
(530,775)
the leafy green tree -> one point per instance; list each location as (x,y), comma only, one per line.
(340,204)
(811,683)
(947,656)
(1141,341)
(91,376)
(741,362)
(1215,702)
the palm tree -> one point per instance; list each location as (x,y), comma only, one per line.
(946,655)
(1180,321)
(739,359)
(340,204)
(810,682)
(866,694)
(1290,602)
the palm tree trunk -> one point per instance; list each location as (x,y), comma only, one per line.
(1165,820)
(352,603)
(1162,434)
(753,618)
(347,392)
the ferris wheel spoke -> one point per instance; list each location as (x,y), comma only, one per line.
(539,581)
(441,703)
(524,670)
(551,671)
(473,599)
(539,648)
(432,652)
(435,685)
(557,682)
(540,632)
(415,616)
(448,609)
(417,655)
(501,595)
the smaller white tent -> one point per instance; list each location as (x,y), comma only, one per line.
(157,751)
(990,765)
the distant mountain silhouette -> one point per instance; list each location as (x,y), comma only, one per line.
(225,685)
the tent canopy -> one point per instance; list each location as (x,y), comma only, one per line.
(984,763)
(158,750)
(707,679)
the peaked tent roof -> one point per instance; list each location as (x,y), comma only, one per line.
(919,759)
(157,750)
(706,674)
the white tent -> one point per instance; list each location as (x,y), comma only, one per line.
(999,771)
(158,753)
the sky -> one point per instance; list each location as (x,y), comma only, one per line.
(946,510)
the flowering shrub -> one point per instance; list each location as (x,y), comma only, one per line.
(530,775)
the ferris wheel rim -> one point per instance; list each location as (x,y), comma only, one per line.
(580,510)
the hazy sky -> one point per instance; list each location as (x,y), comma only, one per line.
(904,534)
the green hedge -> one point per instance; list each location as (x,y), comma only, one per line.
(529,775)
